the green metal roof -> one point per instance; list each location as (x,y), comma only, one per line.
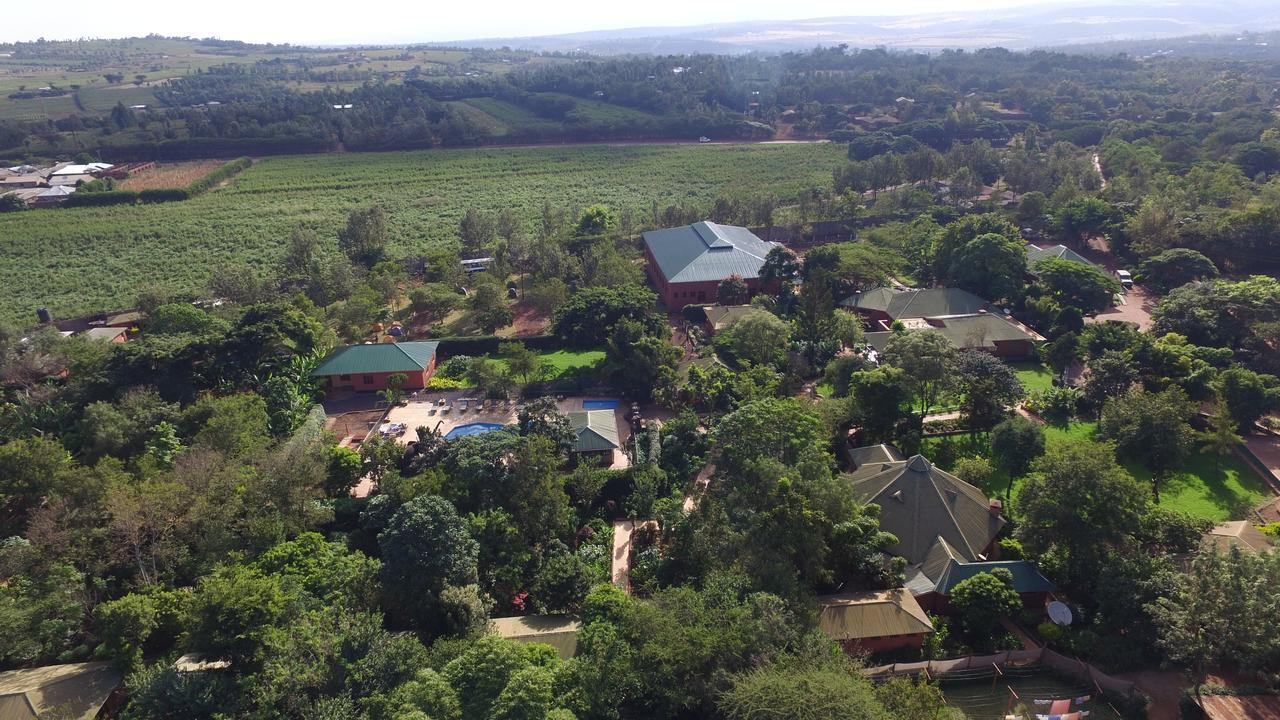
(1036,255)
(981,331)
(1026,576)
(594,430)
(706,251)
(377,358)
(932,302)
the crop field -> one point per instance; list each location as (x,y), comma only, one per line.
(170,175)
(82,260)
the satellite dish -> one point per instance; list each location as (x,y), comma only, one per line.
(1059,613)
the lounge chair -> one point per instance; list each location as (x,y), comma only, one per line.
(463,404)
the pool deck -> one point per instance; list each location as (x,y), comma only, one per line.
(424,410)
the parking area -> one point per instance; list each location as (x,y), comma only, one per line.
(1135,306)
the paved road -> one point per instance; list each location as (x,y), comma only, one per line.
(1135,307)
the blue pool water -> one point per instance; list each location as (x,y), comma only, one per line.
(471,429)
(599,404)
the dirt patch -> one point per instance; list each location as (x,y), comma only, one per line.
(353,425)
(170,175)
(527,321)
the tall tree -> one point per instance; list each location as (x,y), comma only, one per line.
(1078,503)
(1151,428)
(929,361)
(364,240)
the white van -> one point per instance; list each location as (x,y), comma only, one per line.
(1126,279)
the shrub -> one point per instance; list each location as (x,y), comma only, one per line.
(159,195)
(102,199)
(209,181)
(1050,632)
(455,367)
(446,383)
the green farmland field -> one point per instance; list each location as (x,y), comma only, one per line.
(82,260)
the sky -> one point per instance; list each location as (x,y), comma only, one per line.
(331,22)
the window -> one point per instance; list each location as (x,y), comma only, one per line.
(344,377)
(367,379)
(702,295)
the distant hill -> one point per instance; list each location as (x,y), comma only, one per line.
(1013,28)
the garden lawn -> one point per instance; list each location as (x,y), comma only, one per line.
(1033,375)
(560,362)
(1207,486)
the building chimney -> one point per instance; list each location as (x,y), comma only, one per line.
(995,507)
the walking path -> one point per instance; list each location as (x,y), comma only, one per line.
(620,572)
(1028,642)
(700,484)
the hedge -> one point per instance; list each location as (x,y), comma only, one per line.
(212,179)
(159,195)
(101,199)
(488,344)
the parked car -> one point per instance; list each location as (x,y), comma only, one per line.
(1126,279)
(704,139)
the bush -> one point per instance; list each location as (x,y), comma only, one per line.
(438,382)
(455,367)
(102,199)
(159,195)
(1050,632)
(208,182)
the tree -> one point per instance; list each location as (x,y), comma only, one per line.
(561,584)
(588,318)
(364,240)
(548,295)
(1218,612)
(424,549)
(1175,268)
(991,265)
(758,339)
(781,268)
(982,601)
(1083,217)
(1151,428)
(1249,395)
(799,691)
(1077,285)
(988,387)
(732,291)
(1111,374)
(1220,438)
(430,693)
(433,301)
(233,610)
(542,417)
(490,305)
(929,361)
(642,366)
(522,362)
(528,695)
(879,401)
(1015,445)
(595,221)
(1078,503)
(476,230)
(959,233)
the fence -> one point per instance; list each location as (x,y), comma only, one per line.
(977,665)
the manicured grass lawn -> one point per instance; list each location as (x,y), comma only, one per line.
(1033,375)
(1207,486)
(560,362)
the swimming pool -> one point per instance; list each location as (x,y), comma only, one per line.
(599,404)
(471,429)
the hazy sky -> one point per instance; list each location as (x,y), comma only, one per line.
(400,21)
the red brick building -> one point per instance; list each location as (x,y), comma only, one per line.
(686,264)
(368,367)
